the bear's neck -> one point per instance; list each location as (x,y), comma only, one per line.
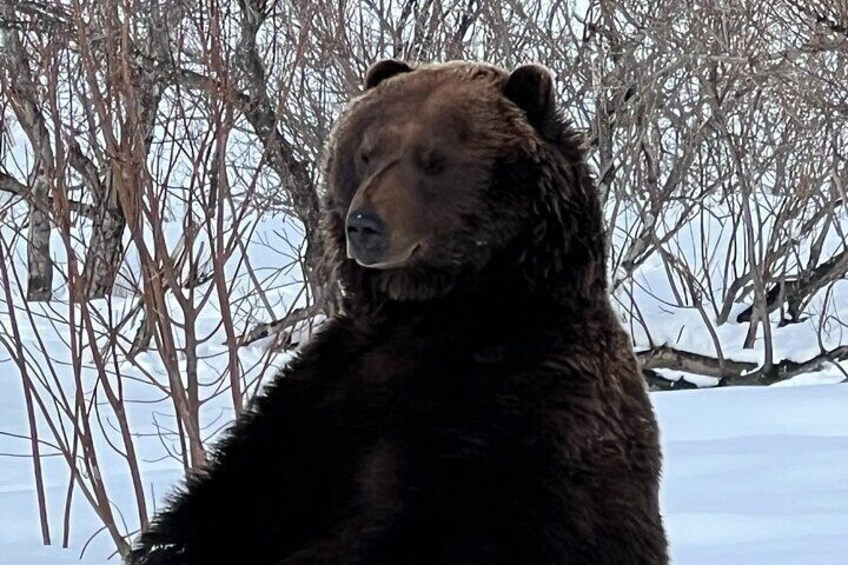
(499,301)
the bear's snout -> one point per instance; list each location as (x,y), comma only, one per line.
(367,237)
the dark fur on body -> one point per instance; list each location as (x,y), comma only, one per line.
(481,405)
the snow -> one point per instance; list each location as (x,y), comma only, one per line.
(751,476)
(756,475)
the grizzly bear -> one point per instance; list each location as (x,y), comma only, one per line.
(476,401)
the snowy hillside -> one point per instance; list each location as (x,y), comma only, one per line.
(753,476)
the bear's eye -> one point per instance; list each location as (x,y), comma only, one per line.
(432,162)
(364,155)
(367,150)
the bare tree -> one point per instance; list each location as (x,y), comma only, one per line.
(19,85)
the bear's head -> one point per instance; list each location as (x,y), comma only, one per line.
(445,177)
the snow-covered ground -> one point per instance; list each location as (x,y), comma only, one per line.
(753,476)
(756,476)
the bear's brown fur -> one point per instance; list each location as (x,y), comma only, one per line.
(477,402)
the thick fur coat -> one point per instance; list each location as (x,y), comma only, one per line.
(477,401)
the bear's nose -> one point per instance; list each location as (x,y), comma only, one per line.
(366,236)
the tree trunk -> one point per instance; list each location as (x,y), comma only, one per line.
(39,264)
(22,94)
(105,251)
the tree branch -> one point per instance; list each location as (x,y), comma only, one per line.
(658,382)
(729,372)
(278,326)
(667,357)
(11,185)
(787,369)
(796,292)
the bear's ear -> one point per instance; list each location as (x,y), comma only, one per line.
(531,87)
(381,70)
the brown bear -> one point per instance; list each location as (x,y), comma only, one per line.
(476,401)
